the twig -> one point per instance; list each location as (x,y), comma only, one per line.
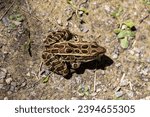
(144,18)
(28,6)
(7,10)
(95,81)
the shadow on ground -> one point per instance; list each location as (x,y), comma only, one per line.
(95,64)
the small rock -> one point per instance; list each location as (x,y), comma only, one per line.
(1,86)
(5,98)
(144,71)
(14,84)
(107,8)
(8,80)
(137,50)
(130,94)
(12,88)
(23,84)
(131,52)
(148,60)
(137,55)
(28,74)
(59,22)
(17,23)
(9,92)
(5,21)
(118,94)
(84,28)
(3,73)
(115,56)
(6,87)
(146,98)
(1,81)
(94,94)
(81,13)
(118,64)
(124,82)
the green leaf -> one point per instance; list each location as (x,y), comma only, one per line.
(117,12)
(84,10)
(129,23)
(45,79)
(69,1)
(117,30)
(124,43)
(125,33)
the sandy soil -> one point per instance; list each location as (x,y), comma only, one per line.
(122,73)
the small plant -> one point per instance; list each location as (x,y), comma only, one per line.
(125,32)
(17,17)
(147,2)
(76,8)
(45,79)
(116,13)
(83,90)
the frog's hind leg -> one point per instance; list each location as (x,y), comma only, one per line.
(57,36)
(55,64)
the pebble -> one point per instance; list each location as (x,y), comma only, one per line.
(144,71)
(3,73)
(118,94)
(137,50)
(6,87)
(107,8)
(5,98)
(59,22)
(5,21)
(148,60)
(23,84)
(17,23)
(124,82)
(130,94)
(118,64)
(1,81)
(13,84)
(146,98)
(1,86)
(115,56)
(12,88)
(84,28)
(131,52)
(8,80)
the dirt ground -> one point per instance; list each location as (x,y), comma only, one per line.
(122,73)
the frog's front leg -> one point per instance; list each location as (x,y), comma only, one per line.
(55,64)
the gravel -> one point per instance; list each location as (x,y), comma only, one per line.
(3,73)
(8,80)
(119,94)
(124,82)
(1,86)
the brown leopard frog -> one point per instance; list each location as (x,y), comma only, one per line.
(61,50)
